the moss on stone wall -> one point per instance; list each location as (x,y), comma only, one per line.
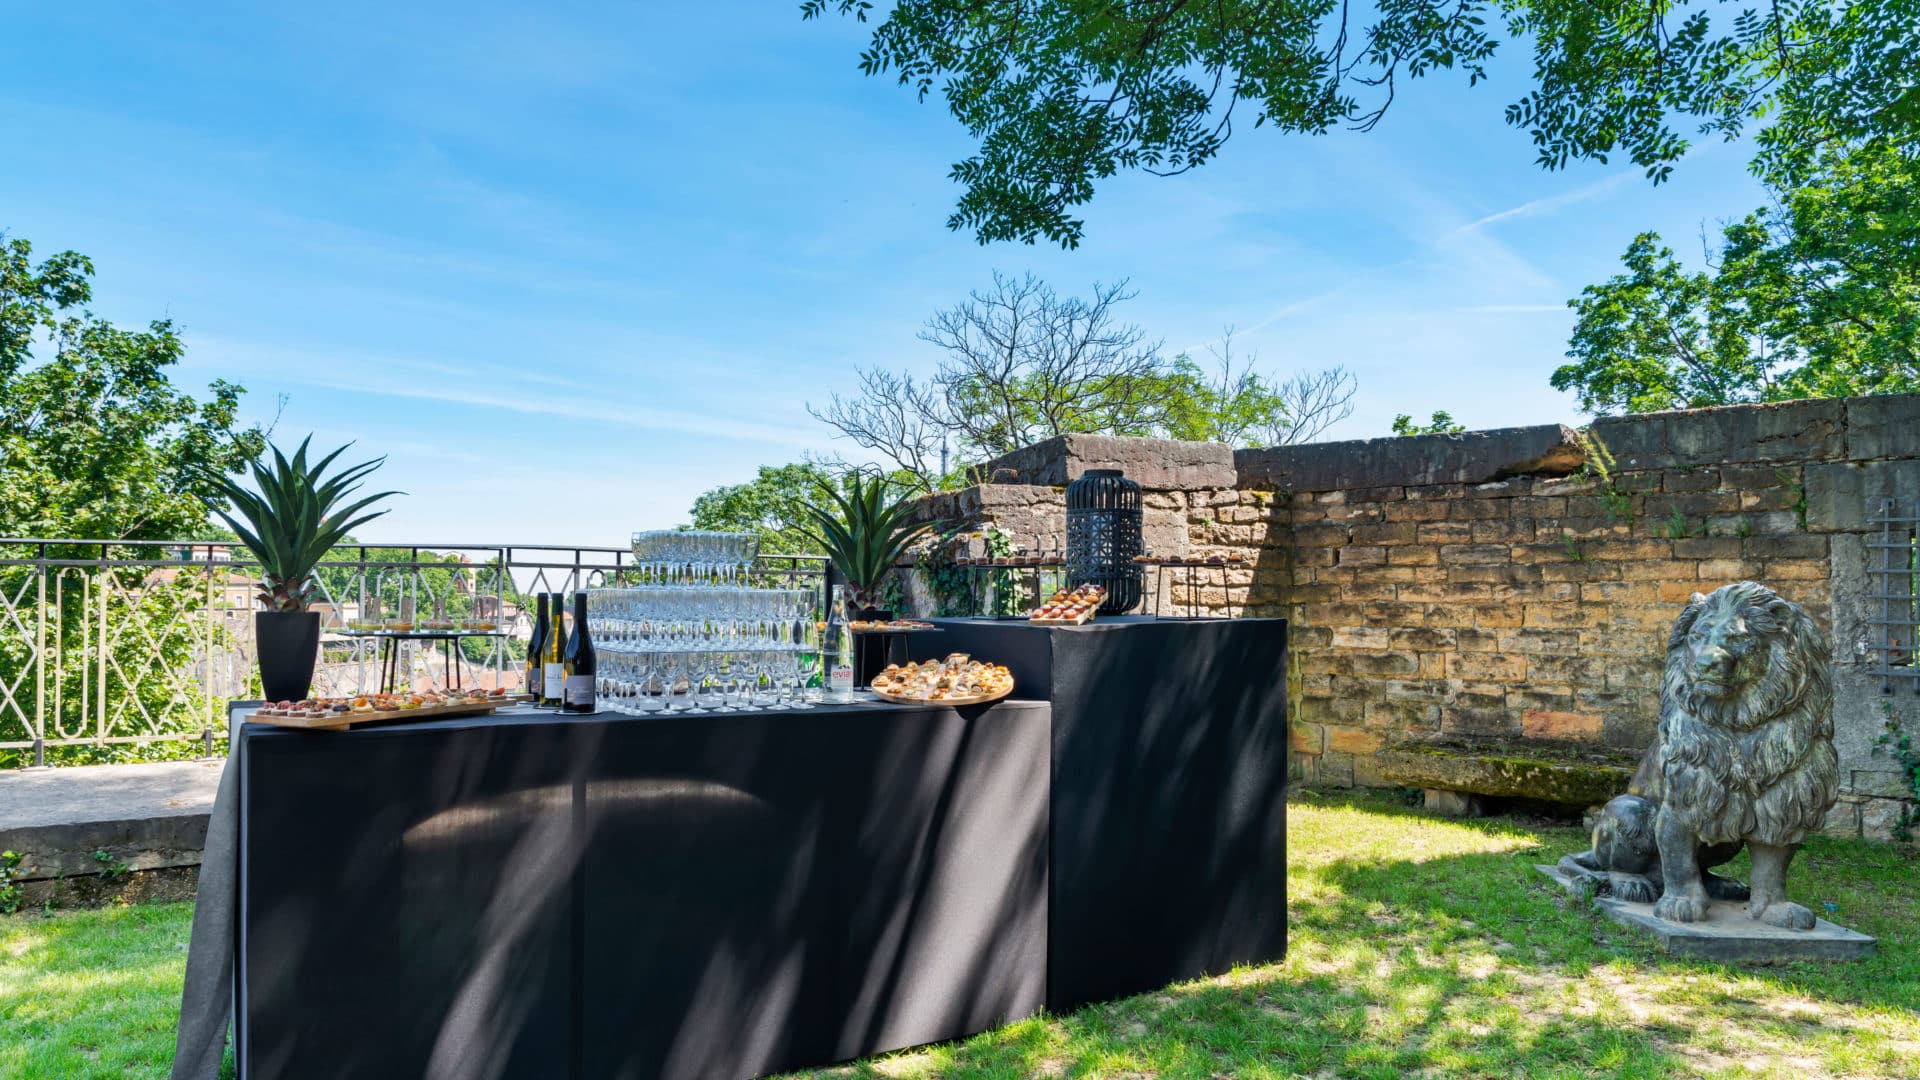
(1511,768)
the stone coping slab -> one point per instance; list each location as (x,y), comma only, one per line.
(146,815)
(1509,768)
(1155,464)
(1728,933)
(1469,457)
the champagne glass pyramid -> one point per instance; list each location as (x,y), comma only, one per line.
(694,606)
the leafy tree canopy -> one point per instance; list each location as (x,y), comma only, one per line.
(773,506)
(95,442)
(1816,295)
(1061,95)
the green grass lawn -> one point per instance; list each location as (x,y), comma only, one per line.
(1419,947)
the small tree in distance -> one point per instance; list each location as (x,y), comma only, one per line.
(1441,423)
(1022,364)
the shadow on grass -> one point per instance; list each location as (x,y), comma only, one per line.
(1415,949)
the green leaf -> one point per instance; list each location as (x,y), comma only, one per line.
(295,517)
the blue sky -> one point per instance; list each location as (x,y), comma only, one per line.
(571,265)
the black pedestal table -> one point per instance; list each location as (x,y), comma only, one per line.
(1169,766)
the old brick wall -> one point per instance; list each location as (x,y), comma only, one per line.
(1512,583)
(1533,606)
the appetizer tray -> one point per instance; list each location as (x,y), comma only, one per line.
(424,633)
(341,721)
(902,699)
(1070,608)
(1191,561)
(1010,563)
(957,680)
(901,626)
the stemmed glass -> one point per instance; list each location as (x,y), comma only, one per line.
(693,632)
(646,673)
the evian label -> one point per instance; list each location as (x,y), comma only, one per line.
(840,679)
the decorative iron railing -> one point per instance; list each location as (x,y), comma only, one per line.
(122,651)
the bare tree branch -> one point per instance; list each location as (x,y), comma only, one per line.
(1315,402)
(902,420)
(1022,364)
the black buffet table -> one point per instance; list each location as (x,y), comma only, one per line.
(1168,803)
(725,895)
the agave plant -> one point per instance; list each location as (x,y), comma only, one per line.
(863,534)
(294,518)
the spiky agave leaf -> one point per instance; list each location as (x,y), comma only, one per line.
(861,533)
(293,517)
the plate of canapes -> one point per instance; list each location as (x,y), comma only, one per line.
(957,680)
(889,626)
(336,713)
(1070,608)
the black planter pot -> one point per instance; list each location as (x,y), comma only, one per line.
(870,650)
(288,643)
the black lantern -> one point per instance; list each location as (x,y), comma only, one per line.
(1103,536)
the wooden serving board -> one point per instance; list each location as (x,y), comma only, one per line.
(898,699)
(1064,622)
(343,721)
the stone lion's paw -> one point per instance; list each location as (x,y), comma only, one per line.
(1633,888)
(1677,908)
(1784,914)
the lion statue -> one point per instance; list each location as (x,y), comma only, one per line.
(1744,756)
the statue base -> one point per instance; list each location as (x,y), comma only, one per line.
(1726,934)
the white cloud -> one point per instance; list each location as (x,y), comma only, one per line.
(427,379)
(1552,203)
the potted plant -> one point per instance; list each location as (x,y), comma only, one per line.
(864,536)
(290,523)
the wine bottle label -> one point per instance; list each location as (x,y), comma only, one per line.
(579,689)
(840,679)
(533,680)
(555,681)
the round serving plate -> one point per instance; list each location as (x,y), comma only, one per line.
(898,699)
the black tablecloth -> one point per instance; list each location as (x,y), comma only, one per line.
(722,895)
(1168,806)
(709,895)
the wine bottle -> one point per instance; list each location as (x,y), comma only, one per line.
(580,662)
(553,682)
(537,647)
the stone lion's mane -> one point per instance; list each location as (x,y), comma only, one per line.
(1759,763)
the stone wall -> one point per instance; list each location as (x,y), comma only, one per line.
(1515,584)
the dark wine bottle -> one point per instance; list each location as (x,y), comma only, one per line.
(537,647)
(553,681)
(580,662)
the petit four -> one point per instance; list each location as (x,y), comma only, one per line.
(1070,608)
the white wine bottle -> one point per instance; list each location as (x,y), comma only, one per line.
(553,680)
(580,662)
